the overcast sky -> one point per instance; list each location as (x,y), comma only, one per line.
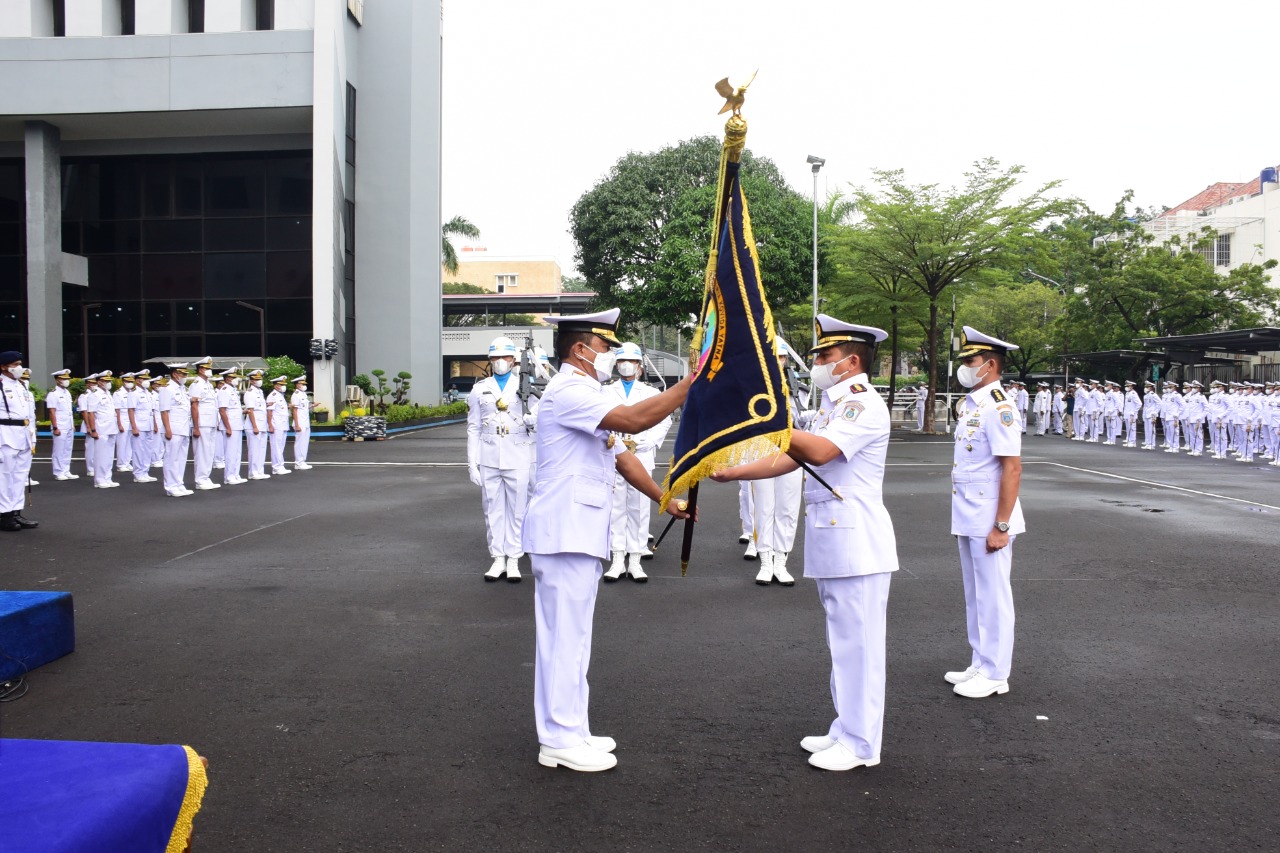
(541,98)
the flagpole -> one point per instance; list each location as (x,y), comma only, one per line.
(687,546)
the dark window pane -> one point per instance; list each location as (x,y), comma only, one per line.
(226,316)
(288,275)
(188,317)
(289,315)
(71,241)
(171,235)
(79,189)
(157,346)
(243,344)
(188,347)
(172,276)
(114,352)
(13,320)
(157,187)
(188,187)
(119,189)
(13,203)
(296,346)
(13,280)
(158,316)
(10,238)
(115,318)
(73,352)
(114,277)
(291,232)
(103,238)
(233,187)
(237,275)
(222,235)
(289,185)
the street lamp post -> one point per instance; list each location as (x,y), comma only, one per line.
(84,327)
(817,163)
(1062,289)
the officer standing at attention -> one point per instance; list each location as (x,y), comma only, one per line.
(152,386)
(986,515)
(1022,404)
(85,404)
(500,449)
(122,399)
(278,423)
(141,424)
(231,425)
(219,429)
(106,421)
(17,448)
(300,412)
(1042,408)
(175,417)
(255,431)
(62,424)
(204,419)
(1150,414)
(629,526)
(566,530)
(849,544)
(1132,409)
(1171,413)
(1059,409)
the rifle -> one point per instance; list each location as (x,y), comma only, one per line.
(530,384)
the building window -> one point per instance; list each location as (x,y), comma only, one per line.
(128,17)
(266,15)
(504,281)
(1223,253)
(59,18)
(351,125)
(195,16)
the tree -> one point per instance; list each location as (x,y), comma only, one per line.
(457,227)
(933,238)
(643,232)
(1023,313)
(482,319)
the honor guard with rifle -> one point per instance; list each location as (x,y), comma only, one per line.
(629,524)
(500,453)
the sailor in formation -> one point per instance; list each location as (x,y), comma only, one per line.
(85,404)
(175,411)
(204,419)
(1171,417)
(122,399)
(1059,409)
(219,432)
(17,444)
(231,425)
(255,426)
(1131,410)
(1041,406)
(300,412)
(278,423)
(141,427)
(1112,404)
(106,422)
(629,523)
(501,433)
(62,423)
(1022,404)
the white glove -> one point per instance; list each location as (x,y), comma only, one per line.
(531,421)
(474,472)
(803,418)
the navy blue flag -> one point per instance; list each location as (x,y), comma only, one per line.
(736,410)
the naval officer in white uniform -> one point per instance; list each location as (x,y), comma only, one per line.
(17,446)
(62,423)
(566,529)
(175,421)
(986,515)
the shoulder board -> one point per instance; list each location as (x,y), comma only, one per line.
(577,372)
(857,389)
(997,395)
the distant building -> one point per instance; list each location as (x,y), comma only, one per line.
(528,275)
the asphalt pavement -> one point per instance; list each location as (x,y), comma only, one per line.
(326,640)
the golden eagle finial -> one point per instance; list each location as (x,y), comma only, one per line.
(733,99)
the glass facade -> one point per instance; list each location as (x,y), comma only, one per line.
(189,255)
(13,250)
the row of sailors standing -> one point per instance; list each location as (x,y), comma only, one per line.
(1241,418)
(155,423)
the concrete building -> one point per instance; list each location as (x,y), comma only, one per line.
(526,275)
(222,177)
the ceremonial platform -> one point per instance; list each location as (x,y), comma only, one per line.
(35,628)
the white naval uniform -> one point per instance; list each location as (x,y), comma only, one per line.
(255,442)
(746,508)
(1093,414)
(144,415)
(123,401)
(206,398)
(17,447)
(629,523)
(174,400)
(1171,414)
(776,502)
(1042,412)
(1151,405)
(1059,409)
(850,549)
(59,400)
(566,533)
(108,427)
(1193,414)
(219,432)
(300,413)
(500,449)
(157,437)
(85,403)
(278,409)
(986,430)
(1132,409)
(922,402)
(233,444)
(1217,414)
(1022,407)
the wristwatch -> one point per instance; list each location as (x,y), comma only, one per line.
(1002,526)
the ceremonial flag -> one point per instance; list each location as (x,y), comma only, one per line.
(737,406)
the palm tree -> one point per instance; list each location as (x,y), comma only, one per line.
(459,226)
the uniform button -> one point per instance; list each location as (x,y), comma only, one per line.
(953,491)
(833,522)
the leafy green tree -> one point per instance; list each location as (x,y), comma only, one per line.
(481,319)
(1023,313)
(643,231)
(934,238)
(457,227)
(282,365)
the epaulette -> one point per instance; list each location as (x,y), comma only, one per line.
(857,389)
(997,395)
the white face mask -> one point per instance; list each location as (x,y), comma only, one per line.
(628,369)
(257,383)
(15,371)
(603,363)
(63,383)
(968,376)
(824,375)
(302,387)
(501,366)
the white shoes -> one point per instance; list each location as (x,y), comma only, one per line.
(220,465)
(633,568)
(179,493)
(127,469)
(260,477)
(582,758)
(839,757)
(281,471)
(764,577)
(980,687)
(144,478)
(751,553)
(513,570)
(817,743)
(602,743)
(744,538)
(157,464)
(780,573)
(207,486)
(67,477)
(234,481)
(302,466)
(113,484)
(617,568)
(497,570)
(960,677)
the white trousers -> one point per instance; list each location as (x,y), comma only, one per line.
(202,450)
(256,448)
(104,457)
(1042,423)
(1170,432)
(988,604)
(62,452)
(232,447)
(629,522)
(921,406)
(1131,429)
(143,454)
(124,448)
(857,624)
(90,451)
(1195,436)
(15,469)
(175,462)
(777,505)
(1057,422)
(301,444)
(219,445)
(746,511)
(564,604)
(1149,432)
(505,493)
(277,450)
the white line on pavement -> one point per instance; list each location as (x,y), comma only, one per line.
(237,536)
(1158,485)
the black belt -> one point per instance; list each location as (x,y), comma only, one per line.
(13,422)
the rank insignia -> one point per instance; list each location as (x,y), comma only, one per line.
(997,395)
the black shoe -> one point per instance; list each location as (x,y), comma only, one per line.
(8,523)
(26,523)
